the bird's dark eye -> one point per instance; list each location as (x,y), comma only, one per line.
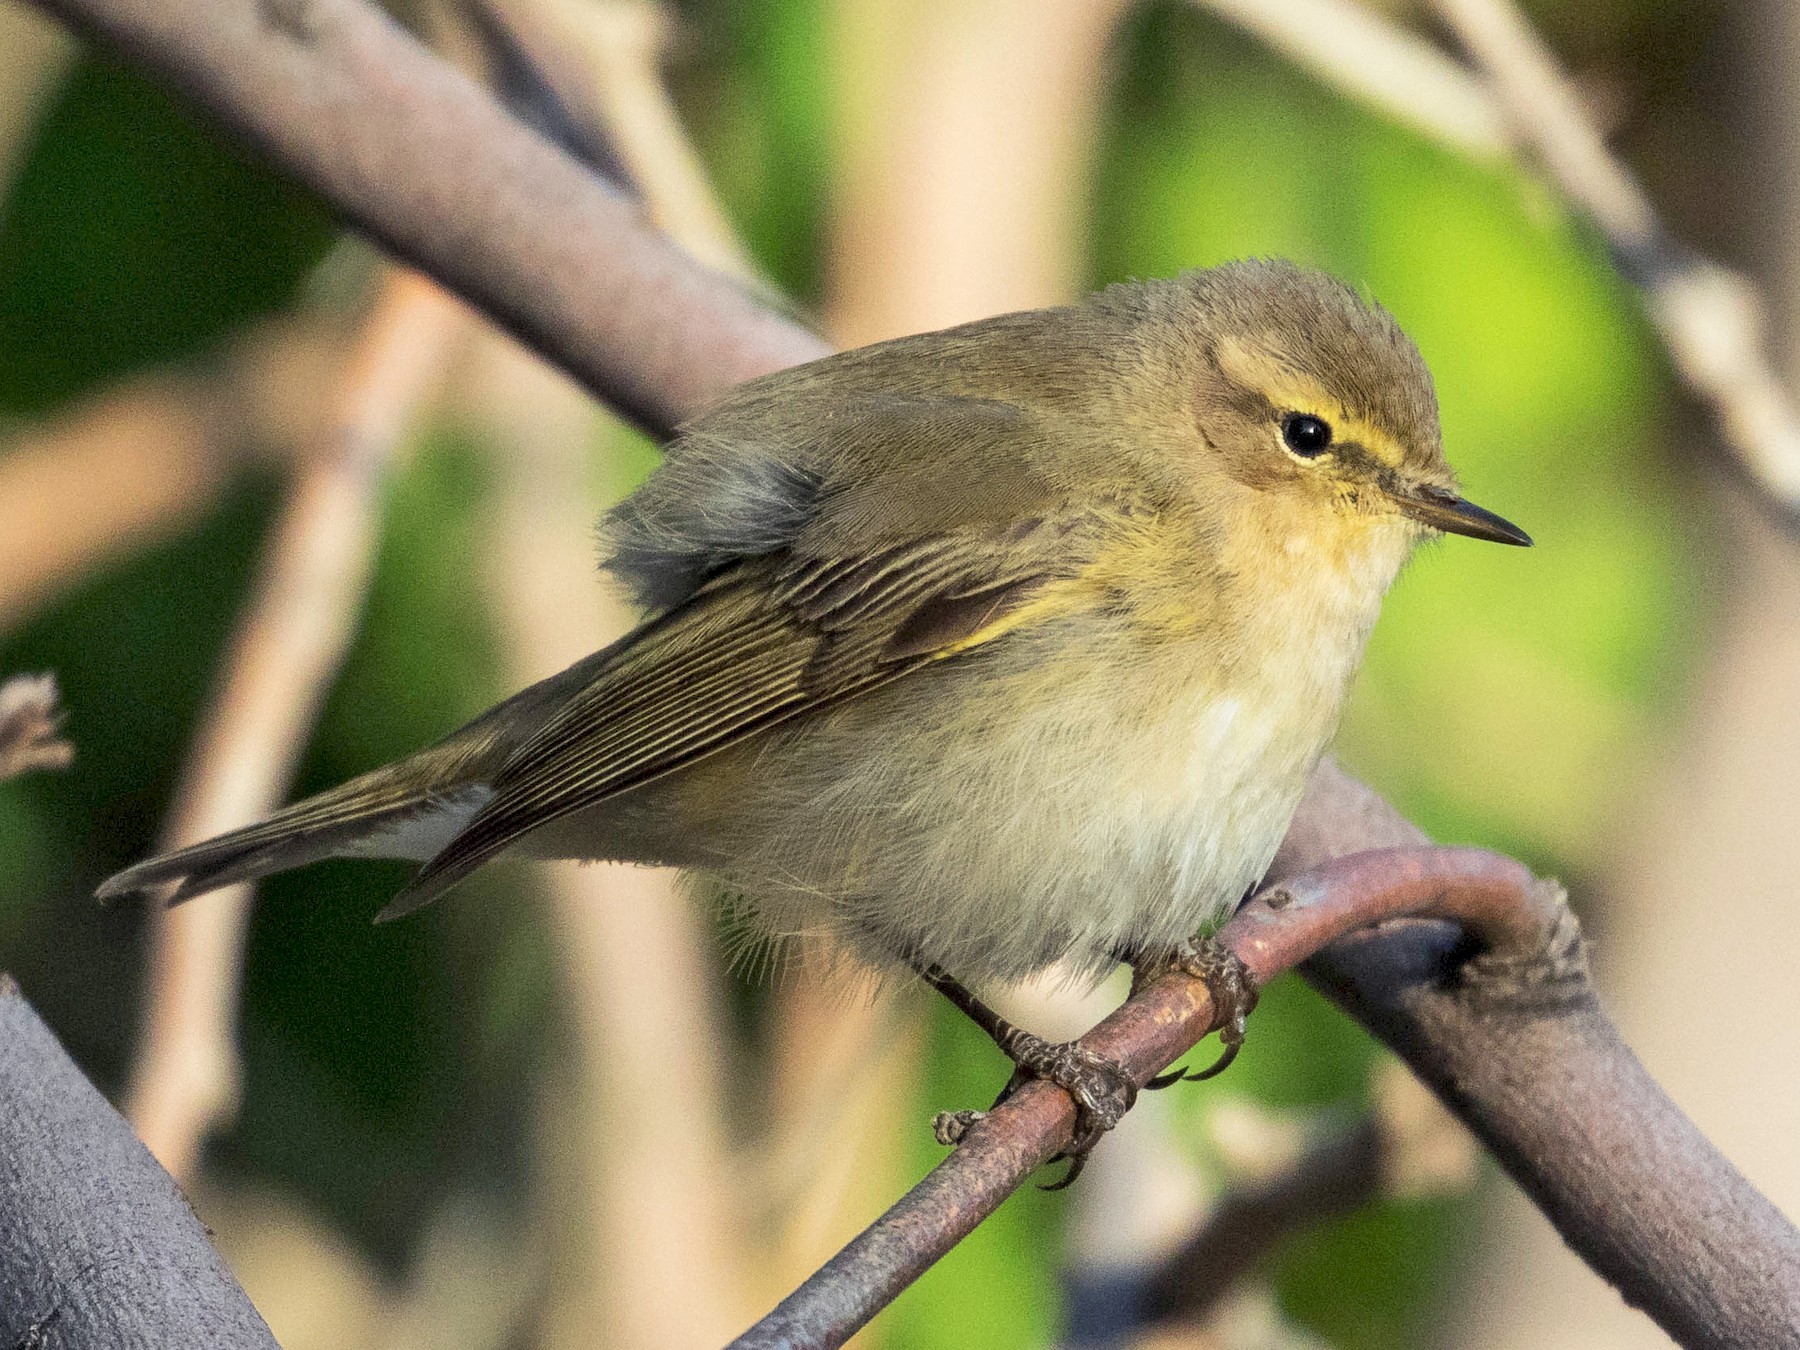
(1305,434)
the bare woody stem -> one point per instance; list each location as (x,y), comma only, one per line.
(1518,101)
(1506,969)
(415,154)
(411,152)
(97,1245)
(1709,318)
(1277,930)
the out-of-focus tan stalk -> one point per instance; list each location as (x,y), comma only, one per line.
(1370,57)
(966,133)
(142,461)
(37,51)
(657,1258)
(621,46)
(290,642)
(1708,317)
(662,1265)
(136,462)
(1703,874)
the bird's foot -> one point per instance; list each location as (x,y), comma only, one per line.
(1227,979)
(1101,1089)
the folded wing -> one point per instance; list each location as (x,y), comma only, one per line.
(764,642)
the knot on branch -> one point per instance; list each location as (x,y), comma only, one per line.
(1546,976)
(29,721)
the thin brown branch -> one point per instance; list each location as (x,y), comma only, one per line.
(604,59)
(1520,917)
(347,102)
(97,1246)
(1709,318)
(1553,1092)
(337,94)
(29,723)
(289,644)
(666,1244)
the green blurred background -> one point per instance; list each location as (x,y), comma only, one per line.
(1508,698)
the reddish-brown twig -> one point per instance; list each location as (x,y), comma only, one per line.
(345,101)
(1499,899)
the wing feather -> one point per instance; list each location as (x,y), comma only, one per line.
(767,641)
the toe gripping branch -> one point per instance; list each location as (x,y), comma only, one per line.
(1514,917)
(1229,983)
(1102,1088)
(1529,944)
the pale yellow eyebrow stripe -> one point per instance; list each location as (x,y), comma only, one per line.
(1288,389)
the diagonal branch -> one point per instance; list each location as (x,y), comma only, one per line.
(1708,317)
(100,1246)
(1682,1234)
(1377,60)
(414,153)
(139,461)
(340,97)
(1521,918)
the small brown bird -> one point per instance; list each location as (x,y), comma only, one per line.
(978,650)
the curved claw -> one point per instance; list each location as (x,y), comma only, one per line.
(1233,991)
(1232,1045)
(1077,1162)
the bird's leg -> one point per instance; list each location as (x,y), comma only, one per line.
(1226,978)
(1101,1089)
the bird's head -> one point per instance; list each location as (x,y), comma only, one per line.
(1316,400)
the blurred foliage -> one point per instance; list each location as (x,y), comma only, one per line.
(1503,702)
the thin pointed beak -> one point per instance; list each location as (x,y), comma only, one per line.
(1444,511)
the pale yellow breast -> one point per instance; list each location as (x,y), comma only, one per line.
(1079,788)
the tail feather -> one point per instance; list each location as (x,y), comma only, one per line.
(408,809)
(370,817)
